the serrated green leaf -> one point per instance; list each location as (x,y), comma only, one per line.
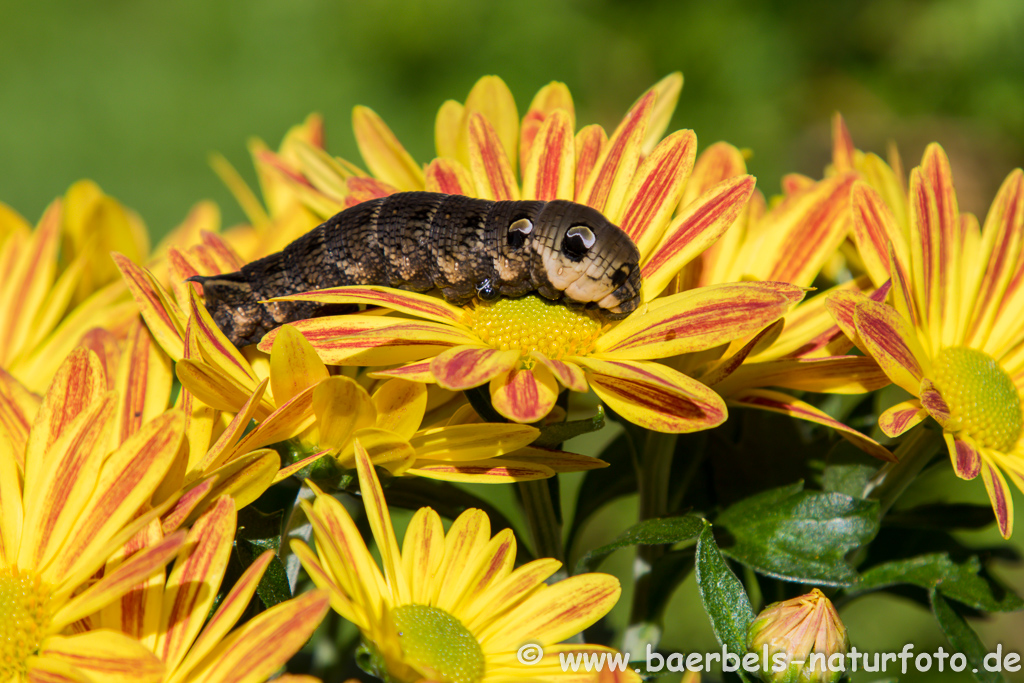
(723,596)
(556,433)
(647,532)
(798,535)
(961,582)
(273,587)
(963,638)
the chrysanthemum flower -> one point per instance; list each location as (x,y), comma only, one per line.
(170,615)
(447,607)
(805,351)
(953,335)
(68,502)
(292,394)
(527,349)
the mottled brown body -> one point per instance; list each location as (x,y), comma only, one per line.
(419,241)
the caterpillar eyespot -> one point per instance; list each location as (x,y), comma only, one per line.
(419,241)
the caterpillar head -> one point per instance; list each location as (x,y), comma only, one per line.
(584,258)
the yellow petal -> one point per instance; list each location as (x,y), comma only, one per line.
(294,364)
(341,407)
(380,524)
(400,406)
(383,153)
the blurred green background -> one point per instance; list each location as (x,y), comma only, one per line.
(135,95)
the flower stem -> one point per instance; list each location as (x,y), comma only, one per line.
(892,479)
(653,482)
(542,519)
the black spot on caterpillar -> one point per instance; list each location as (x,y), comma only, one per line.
(423,240)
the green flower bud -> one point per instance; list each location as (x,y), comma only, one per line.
(800,640)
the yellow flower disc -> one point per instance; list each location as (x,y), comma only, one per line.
(531,323)
(24,617)
(980,395)
(438,645)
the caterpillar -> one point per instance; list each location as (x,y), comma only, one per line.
(419,241)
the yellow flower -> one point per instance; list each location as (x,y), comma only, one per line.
(68,502)
(952,334)
(805,351)
(527,349)
(171,615)
(448,607)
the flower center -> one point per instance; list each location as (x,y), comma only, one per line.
(981,396)
(531,323)
(437,644)
(24,618)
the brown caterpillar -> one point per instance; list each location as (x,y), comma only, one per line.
(424,240)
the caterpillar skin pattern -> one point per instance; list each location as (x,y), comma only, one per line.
(419,241)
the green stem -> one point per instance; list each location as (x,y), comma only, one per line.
(542,519)
(892,479)
(653,483)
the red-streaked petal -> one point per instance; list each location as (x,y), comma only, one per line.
(891,341)
(215,347)
(1002,241)
(569,374)
(465,367)
(901,417)
(259,648)
(228,612)
(193,583)
(874,227)
(590,143)
(697,226)
(449,177)
(422,552)
(967,462)
(549,173)
(843,150)
(932,401)
(495,178)
(832,375)
(655,396)
(509,591)
(999,495)
(491,99)
(63,488)
(552,97)
(143,383)
(524,395)
(411,303)
(127,481)
(667,96)
(718,162)
(784,404)
(298,465)
(553,614)
(112,586)
(935,215)
(383,153)
(18,408)
(414,372)
(359,190)
(802,237)
(605,188)
(162,315)
(380,524)
(104,655)
(79,385)
(698,319)
(656,189)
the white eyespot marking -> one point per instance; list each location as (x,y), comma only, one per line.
(523,225)
(584,233)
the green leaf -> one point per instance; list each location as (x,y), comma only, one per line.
(960,582)
(556,433)
(798,535)
(723,596)
(273,587)
(647,532)
(963,638)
